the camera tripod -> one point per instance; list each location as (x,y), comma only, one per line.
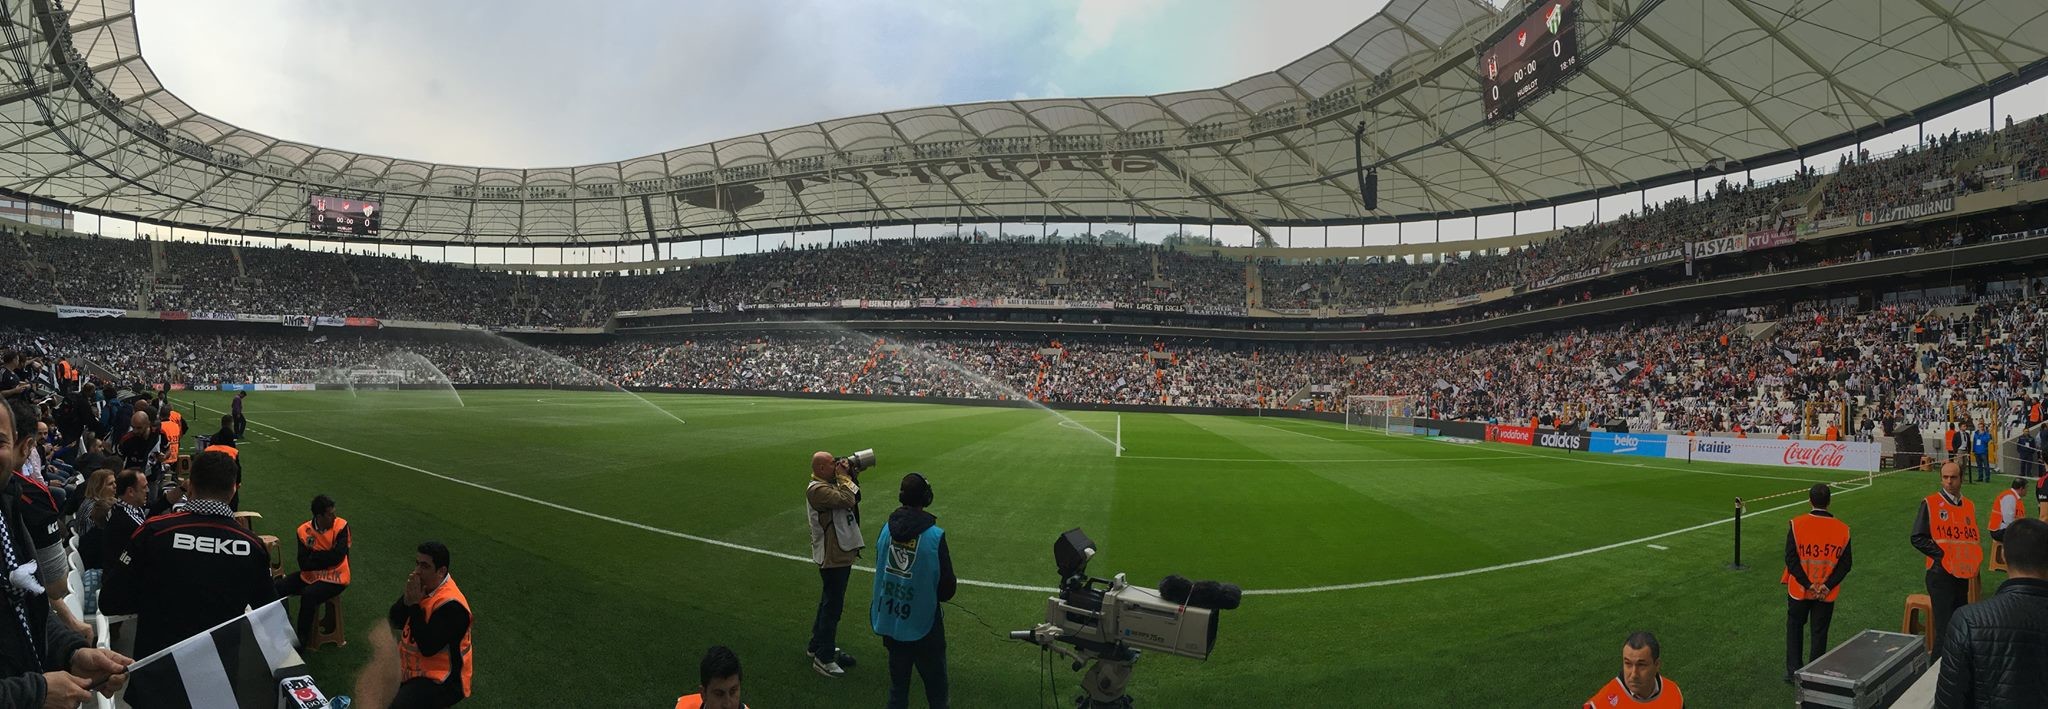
(1104,683)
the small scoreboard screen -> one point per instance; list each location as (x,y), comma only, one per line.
(1530,59)
(340,215)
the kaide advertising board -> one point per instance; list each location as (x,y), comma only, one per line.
(1826,455)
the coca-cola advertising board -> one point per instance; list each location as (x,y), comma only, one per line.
(1825,455)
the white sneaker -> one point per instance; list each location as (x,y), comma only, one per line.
(828,669)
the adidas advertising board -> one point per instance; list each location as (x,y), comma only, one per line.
(1561,439)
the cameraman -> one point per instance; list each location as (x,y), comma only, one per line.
(913,575)
(834,499)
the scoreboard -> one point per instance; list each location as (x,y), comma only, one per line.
(341,215)
(1530,58)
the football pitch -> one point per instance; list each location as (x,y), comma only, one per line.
(606,540)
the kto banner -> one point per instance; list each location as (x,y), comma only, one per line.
(1643,444)
(1827,455)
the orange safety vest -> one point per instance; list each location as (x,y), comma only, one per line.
(1834,434)
(1615,696)
(1954,527)
(322,541)
(2019,509)
(173,430)
(1949,440)
(2034,414)
(694,701)
(232,451)
(414,665)
(1819,541)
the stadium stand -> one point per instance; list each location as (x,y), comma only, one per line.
(87,271)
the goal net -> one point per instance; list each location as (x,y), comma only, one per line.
(1393,415)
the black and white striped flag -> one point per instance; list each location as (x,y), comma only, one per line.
(236,665)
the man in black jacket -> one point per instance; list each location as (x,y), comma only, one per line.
(42,661)
(185,572)
(1995,652)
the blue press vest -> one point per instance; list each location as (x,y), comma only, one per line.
(1982,443)
(906,596)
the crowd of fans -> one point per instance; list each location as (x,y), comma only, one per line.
(1902,363)
(201,277)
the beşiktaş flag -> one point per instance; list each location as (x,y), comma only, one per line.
(236,665)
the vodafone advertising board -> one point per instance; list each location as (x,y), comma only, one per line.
(1827,455)
(1518,435)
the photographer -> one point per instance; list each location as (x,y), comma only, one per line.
(913,575)
(834,499)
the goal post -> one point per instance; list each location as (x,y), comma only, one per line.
(1392,415)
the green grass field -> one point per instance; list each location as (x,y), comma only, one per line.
(604,545)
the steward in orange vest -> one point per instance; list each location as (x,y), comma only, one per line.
(323,565)
(2010,507)
(1641,682)
(1945,531)
(433,616)
(1816,561)
(718,682)
(173,428)
(1834,433)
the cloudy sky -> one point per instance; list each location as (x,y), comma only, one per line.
(527,83)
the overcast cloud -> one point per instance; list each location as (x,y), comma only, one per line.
(526,83)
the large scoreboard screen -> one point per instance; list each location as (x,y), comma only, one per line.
(340,215)
(1530,58)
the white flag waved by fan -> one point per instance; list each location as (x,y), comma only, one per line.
(236,665)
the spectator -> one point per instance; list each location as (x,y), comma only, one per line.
(1995,655)
(184,573)
(45,662)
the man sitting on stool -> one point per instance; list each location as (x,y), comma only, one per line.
(323,565)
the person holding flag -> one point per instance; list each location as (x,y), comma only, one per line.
(43,662)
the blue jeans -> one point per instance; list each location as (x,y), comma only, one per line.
(825,626)
(928,656)
(91,602)
(1983,467)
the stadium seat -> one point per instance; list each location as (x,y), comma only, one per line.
(1919,618)
(276,560)
(1998,556)
(329,628)
(248,519)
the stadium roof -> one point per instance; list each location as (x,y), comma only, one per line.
(1668,87)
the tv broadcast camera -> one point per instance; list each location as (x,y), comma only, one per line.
(1105,624)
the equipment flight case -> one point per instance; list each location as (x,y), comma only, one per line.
(1870,670)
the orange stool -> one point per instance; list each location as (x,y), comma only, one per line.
(328,628)
(276,561)
(1919,618)
(1998,556)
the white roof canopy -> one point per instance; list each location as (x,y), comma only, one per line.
(1668,86)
